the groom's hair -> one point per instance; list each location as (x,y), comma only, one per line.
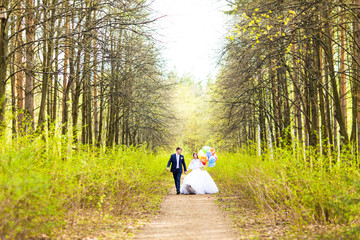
(178,148)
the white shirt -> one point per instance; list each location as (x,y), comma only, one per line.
(177,160)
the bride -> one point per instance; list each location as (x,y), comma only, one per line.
(198,181)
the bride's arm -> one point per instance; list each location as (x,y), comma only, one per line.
(190,167)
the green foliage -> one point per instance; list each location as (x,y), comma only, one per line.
(190,107)
(294,190)
(40,184)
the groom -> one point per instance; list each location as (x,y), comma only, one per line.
(177,161)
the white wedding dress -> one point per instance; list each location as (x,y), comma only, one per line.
(198,181)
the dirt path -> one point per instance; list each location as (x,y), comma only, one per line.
(189,217)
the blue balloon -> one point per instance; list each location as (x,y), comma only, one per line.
(209,154)
(212,164)
(212,160)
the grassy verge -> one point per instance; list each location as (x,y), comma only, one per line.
(288,197)
(51,190)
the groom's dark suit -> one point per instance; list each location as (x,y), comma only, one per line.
(176,169)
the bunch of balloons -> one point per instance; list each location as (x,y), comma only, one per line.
(208,155)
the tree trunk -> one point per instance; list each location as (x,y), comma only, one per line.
(99,139)
(96,117)
(3,64)
(13,82)
(76,91)
(47,62)
(356,104)
(29,72)
(262,119)
(56,79)
(324,133)
(65,110)
(274,103)
(330,61)
(87,122)
(342,68)
(314,89)
(328,114)
(19,73)
(297,95)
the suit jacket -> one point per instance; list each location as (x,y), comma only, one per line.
(172,162)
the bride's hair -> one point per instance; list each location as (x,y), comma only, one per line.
(197,157)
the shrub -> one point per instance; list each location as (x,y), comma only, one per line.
(41,181)
(300,191)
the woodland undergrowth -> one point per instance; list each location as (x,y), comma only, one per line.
(53,189)
(309,195)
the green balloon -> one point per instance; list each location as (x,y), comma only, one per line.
(206,149)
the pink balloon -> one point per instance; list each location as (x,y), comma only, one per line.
(215,157)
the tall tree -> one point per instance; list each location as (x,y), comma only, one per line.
(4,40)
(29,69)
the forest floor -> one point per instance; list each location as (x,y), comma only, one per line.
(189,217)
(212,217)
(251,224)
(215,216)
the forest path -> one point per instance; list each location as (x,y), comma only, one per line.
(188,217)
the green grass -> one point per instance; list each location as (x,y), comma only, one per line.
(49,188)
(56,189)
(290,190)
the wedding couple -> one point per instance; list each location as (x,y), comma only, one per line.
(198,181)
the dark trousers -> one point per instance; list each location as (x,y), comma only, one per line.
(177,176)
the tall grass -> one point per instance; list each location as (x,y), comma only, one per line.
(301,192)
(45,183)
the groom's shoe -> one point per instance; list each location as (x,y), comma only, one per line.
(178,192)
